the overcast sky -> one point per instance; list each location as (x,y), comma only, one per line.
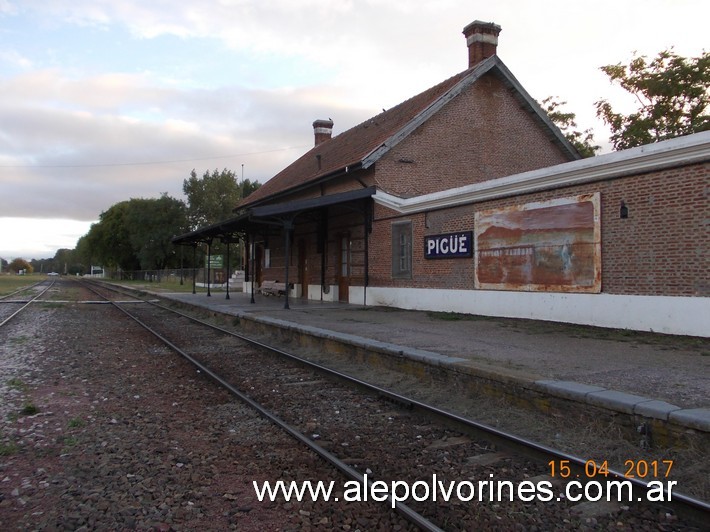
(106,100)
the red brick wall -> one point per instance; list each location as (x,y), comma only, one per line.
(340,222)
(662,248)
(481,134)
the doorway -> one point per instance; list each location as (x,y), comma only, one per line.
(258,257)
(303,267)
(344,269)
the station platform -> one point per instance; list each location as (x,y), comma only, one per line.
(662,378)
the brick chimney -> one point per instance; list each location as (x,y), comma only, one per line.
(482,40)
(323,130)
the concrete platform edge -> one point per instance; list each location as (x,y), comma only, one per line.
(622,402)
(667,417)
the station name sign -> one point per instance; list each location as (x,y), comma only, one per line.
(450,245)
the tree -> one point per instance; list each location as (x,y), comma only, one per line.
(135,234)
(210,198)
(152,223)
(247,187)
(673,97)
(582,140)
(20,264)
(213,197)
(109,239)
(68,261)
(82,255)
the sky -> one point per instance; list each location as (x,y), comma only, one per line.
(102,101)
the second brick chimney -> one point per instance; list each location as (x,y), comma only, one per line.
(482,40)
(323,130)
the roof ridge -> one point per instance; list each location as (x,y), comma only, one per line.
(410,107)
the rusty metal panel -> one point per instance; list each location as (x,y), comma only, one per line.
(550,246)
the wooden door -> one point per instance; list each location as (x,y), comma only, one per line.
(258,270)
(303,268)
(344,269)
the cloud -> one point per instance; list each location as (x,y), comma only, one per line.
(80,145)
(15,58)
(101,101)
(28,237)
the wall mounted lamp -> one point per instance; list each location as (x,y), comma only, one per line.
(623,210)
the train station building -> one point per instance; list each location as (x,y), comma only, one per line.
(467,198)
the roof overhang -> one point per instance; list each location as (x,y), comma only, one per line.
(238,224)
(268,214)
(293,208)
(681,151)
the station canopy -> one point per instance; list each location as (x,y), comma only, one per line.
(254,218)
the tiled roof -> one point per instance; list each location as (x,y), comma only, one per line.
(352,146)
(363,144)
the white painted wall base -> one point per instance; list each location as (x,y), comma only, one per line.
(356,295)
(315,293)
(662,314)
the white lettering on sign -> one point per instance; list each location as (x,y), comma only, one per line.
(448,245)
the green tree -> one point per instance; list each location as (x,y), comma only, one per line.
(582,140)
(68,261)
(82,255)
(213,197)
(673,97)
(110,241)
(210,198)
(152,223)
(135,234)
(247,187)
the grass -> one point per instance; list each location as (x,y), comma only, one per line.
(19,340)
(29,409)
(17,384)
(10,282)
(168,284)
(68,441)
(8,449)
(76,423)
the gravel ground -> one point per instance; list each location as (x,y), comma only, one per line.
(102,429)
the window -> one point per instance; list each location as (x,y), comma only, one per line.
(402,250)
(345,256)
(267,258)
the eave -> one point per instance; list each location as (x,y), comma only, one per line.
(649,158)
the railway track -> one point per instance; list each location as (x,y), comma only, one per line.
(11,305)
(372,435)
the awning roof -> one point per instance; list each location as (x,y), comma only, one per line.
(266,214)
(299,206)
(232,225)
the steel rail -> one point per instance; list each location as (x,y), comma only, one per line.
(691,507)
(401,508)
(27,303)
(23,289)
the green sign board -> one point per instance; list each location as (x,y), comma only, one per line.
(216,261)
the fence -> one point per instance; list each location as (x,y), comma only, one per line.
(177,276)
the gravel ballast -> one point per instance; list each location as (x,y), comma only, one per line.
(101,428)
